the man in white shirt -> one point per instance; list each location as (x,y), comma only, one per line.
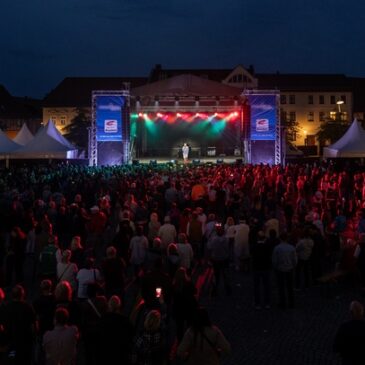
(86,276)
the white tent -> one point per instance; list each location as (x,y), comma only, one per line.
(351,144)
(24,136)
(7,146)
(47,143)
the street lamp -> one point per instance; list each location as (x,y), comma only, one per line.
(339,103)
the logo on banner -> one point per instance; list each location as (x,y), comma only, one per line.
(110,126)
(262,125)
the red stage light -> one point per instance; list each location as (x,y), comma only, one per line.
(159,115)
(178,115)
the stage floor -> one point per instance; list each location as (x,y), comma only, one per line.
(200,160)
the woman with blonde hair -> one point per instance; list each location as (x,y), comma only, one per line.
(150,346)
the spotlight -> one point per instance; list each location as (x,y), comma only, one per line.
(220,161)
(145,115)
(159,115)
(178,115)
(197,115)
(235,114)
(140,115)
(215,114)
(173,162)
(196,162)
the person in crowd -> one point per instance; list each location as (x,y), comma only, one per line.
(184,302)
(350,337)
(241,246)
(304,249)
(113,271)
(44,307)
(153,227)
(173,259)
(150,345)
(91,311)
(64,298)
(66,270)
(195,234)
(49,257)
(167,233)
(284,260)
(153,253)
(16,256)
(77,252)
(86,276)
(20,324)
(138,250)
(218,247)
(60,344)
(116,335)
(203,343)
(261,267)
(185,252)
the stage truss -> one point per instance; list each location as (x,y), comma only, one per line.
(93,143)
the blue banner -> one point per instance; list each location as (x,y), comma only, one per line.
(109,117)
(263,117)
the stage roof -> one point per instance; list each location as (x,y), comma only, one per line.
(186,85)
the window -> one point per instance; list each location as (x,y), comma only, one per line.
(333,115)
(291,99)
(322,116)
(283,116)
(63,120)
(54,120)
(343,98)
(310,117)
(321,99)
(292,117)
(333,99)
(311,140)
(282,99)
(310,99)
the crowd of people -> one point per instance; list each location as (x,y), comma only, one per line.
(83,236)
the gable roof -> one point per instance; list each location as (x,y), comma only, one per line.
(76,91)
(186,85)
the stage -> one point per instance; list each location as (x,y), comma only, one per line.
(194,161)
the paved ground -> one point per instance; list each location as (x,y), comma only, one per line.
(300,336)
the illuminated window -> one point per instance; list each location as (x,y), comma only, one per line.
(310,117)
(310,99)
(321,99)
(63,120)
(333,99)
(344,116)
(54,120)
(282,99)
(322,116)
(291,99)
(333,115)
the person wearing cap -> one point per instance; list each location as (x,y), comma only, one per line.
(350,337)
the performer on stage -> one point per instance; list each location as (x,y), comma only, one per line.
(185,152)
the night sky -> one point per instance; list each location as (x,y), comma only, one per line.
(43,41)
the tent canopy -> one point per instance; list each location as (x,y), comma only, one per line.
(24,136)
(6,144)
(48,141)
(351,144)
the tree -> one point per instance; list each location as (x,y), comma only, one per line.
(77,131)
(331,130)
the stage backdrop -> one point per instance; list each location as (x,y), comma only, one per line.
(263,117)
(109,118)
